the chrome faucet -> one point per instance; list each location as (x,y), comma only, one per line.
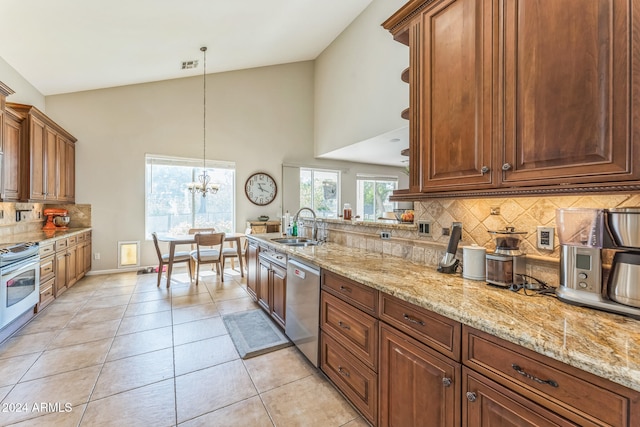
(314,230)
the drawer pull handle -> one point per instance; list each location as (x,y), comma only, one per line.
(343,372)
(519,370)
(446,382)
(345,288)
(471,396)
(412,320)
(343,325)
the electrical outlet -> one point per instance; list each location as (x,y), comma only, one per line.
(545,237)
(385,235)
(96,255)
(424,228)
(446,231)
(495,210)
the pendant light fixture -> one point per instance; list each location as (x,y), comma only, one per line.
(204,185)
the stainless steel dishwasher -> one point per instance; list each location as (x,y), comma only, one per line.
(303,307)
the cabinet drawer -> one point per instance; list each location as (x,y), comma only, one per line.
(61,244)
(352,328)
(485,402)
(47,268)
(438,332)
(358,383)
(72,240)
(80,238)
(568,391)
(356,294)
(87,236)
(46,250)
(46,293)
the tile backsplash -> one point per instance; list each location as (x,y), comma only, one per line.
(18,218)
(478,217)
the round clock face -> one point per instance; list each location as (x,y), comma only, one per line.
(261,189)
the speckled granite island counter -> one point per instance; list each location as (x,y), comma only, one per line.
(604,344)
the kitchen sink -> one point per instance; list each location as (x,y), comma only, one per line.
(295,241)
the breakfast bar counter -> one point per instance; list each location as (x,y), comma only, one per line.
(603,344)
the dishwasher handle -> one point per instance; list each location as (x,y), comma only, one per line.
(299,269)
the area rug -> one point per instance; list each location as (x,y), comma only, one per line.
(253,333)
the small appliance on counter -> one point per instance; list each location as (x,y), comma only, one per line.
(57,219)
(583,234)
(449,263)
(506,266)
(473,262)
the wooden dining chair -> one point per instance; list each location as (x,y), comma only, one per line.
(232,252)
(193,246)
(208,251)
(163,259)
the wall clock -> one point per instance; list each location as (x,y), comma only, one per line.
(261,189)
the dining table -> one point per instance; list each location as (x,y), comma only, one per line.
(190,239)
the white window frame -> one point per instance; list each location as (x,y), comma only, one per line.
(213,167)
(318,212)
(360,179)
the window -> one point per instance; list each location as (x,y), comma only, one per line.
(320,190)
(373,196)
(170,206)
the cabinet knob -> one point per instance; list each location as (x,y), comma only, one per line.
(484,169)
(506,166)
(446,382)
(471,396)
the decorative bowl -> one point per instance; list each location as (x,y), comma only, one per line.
(263,218)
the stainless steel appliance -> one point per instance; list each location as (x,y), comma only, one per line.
(303,307)
(506,266)
(449,263)
(19,280)
(583,234)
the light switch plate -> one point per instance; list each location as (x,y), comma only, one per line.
(545,238)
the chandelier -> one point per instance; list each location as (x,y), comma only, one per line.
(204,185)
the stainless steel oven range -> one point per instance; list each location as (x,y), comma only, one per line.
(19,280)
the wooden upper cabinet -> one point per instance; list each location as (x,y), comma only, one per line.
(48,158)
(11,167)
(567,70)
(456,94)
(508,94)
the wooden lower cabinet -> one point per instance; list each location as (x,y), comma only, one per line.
(272,285)
(487,404)
(354,379)
(418,386)
(252,269)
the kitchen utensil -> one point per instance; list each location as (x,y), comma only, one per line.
(449,263)
(507,241)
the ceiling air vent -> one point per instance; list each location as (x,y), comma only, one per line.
(188,65)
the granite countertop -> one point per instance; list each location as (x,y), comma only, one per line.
(42,236)
(604,344)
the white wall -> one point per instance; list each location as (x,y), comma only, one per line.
(359,94)
(25,93)
(259,118)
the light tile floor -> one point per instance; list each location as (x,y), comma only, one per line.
(117,350)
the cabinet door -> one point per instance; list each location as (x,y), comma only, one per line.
(87,254)
(567,95)
(72,271)
(70,171)
(51,165)
(418,386)
(12,132)
(264,277)
(252,270)
(279,293)
(38,150)
(487,404)
(456,101)
(61,273)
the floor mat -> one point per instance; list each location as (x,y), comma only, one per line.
(253,333)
